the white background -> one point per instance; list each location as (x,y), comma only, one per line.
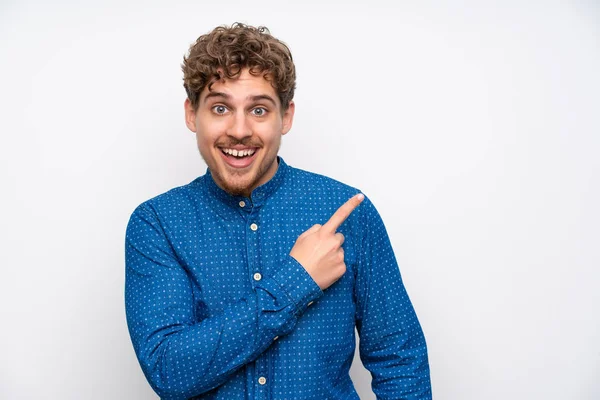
(473,126)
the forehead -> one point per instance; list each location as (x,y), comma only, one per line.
(244,87)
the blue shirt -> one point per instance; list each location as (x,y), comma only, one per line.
(218,309)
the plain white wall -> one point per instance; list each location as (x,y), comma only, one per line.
(473,126)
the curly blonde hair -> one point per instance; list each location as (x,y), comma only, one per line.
(228,50)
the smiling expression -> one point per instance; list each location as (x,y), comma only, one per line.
(239,124)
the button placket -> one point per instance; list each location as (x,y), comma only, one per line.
(261,364)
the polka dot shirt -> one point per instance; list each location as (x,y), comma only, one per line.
(218,309)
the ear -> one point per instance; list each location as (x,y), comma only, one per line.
(288,118)
(190,115)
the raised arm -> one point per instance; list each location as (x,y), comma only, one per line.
(392,345)
(180,356)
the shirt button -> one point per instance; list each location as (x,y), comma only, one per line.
(310,303)
(242,203)
(276,337)
(254,227)
(257,276)
(262,380)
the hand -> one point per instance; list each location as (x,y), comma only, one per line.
(319,249)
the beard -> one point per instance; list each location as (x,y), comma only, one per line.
(242,183)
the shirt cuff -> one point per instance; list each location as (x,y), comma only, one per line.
(297,284)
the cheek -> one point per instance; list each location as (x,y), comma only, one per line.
(208,133)
(205,144)
(268,130)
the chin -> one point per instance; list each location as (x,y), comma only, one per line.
(238,183)
(237,188)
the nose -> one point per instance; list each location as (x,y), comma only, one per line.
(239,127)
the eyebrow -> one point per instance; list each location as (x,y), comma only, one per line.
(262,97)
(254,98)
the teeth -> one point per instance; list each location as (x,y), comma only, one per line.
(240,153)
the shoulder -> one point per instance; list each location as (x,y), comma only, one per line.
(315,183)
(177,199)
(329,192)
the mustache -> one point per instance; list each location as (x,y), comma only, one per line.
(244,143)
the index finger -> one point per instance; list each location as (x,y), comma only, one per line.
(342,213)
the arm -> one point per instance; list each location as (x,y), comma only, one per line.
(180,356)
(392,345)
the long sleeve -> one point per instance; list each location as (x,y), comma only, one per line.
(181,356)
(392,344)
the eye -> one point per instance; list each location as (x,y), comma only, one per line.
(220,110)
(259,111)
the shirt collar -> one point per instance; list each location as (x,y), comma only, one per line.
(258,196)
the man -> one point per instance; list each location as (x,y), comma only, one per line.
(248,282)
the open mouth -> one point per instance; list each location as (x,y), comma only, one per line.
(238,153)
(239,158)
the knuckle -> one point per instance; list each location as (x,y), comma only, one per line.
(332,247)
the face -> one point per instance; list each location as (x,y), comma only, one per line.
(239,124)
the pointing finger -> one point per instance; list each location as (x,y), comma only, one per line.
(342,213)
